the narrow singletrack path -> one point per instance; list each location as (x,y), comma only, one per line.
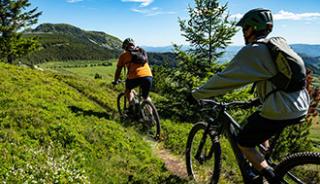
(173,163)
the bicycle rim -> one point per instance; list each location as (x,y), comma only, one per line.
(151,119)
(205,169)
(300,168)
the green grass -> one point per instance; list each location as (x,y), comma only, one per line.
(51,133)
(85,68)
(107,73)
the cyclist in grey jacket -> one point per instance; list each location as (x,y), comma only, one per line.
(253,63)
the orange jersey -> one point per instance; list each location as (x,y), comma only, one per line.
(134,70)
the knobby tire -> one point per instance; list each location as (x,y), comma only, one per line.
(152,119)
(210,172)
(303,166)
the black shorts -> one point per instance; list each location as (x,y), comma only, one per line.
(259,129)
(145,84)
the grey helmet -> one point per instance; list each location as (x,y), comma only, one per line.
(127,42)
(259,19)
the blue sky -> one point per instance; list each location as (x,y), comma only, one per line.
(155,22)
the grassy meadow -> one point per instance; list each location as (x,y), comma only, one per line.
(85,68)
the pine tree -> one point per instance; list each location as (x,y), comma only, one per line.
(14,18)
(208,31)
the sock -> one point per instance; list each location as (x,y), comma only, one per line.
(269,174)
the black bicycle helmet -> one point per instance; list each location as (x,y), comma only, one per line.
(127,42)
(259,19)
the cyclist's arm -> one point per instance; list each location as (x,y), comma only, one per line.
(120,64)
(117,73)
(251,64)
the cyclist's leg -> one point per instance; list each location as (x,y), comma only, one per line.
(146,84)
(257,131)
(130,84)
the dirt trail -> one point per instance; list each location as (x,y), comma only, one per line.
(175,164)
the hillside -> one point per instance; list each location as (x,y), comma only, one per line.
(51,132)
(66,42)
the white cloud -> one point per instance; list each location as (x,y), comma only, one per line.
(147,11)
(73,1)
(152,11)
(144,3)
(285,15)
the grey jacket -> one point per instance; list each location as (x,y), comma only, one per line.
(253,63)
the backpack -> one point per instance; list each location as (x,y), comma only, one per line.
(139,56)
(291,74)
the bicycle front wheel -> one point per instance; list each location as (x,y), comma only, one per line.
(300,168)
(122,104)
(151,118)
(203,160)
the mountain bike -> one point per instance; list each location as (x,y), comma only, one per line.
(203,150)
(141,110)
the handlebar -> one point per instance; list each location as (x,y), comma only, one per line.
(117,82)
(226,105)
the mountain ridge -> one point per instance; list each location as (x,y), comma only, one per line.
(97,37)
(65,42)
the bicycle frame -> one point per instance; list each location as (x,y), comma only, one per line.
(230,128)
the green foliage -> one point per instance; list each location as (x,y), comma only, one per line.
(293,139)
(13,18)
(175,84)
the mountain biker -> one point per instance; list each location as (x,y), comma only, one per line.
(137,75)
(254,64)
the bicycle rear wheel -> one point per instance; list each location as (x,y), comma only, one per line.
(151,118)
(122,105)
(300,168)
(204,167)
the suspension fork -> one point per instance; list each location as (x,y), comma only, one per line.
(198,156)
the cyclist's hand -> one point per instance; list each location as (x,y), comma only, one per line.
(115,82)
